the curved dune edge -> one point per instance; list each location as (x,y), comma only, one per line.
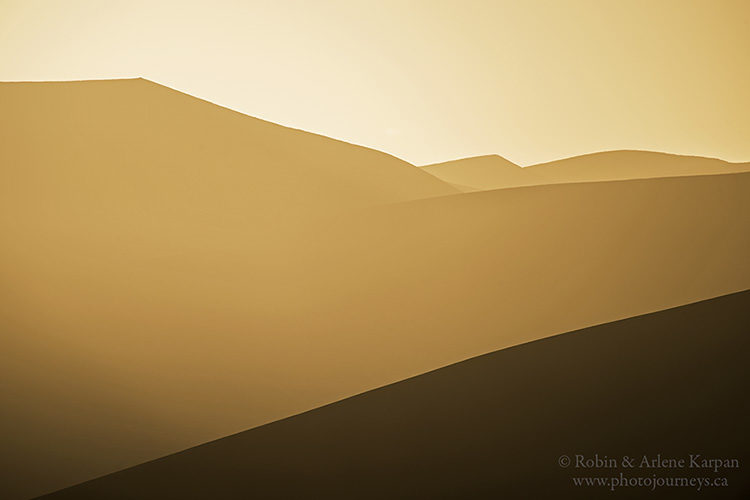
(668,383)
(173,271)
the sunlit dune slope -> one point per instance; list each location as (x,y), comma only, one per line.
(134,138)
(669,384)
(493,172)
(159,289)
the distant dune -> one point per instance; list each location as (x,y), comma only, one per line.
(670,383)
(494,172)
(173,272)
(482,173)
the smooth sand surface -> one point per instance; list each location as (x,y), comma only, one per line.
(174,272)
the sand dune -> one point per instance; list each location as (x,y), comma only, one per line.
(137,138)
(669,383)
(173,272)
(481,173)
(494,172)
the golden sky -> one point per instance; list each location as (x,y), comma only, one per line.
(428,80)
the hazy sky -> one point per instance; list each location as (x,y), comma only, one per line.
(425,80)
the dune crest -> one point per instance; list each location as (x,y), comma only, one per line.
(139,134)
(480,172)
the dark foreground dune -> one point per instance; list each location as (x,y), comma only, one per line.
(672,383)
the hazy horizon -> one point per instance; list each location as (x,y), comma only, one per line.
(426,82)
(452,160)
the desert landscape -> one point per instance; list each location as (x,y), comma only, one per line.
(175,272)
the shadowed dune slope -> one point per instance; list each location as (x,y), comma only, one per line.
(672,383)
(493,172)
(155,334)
